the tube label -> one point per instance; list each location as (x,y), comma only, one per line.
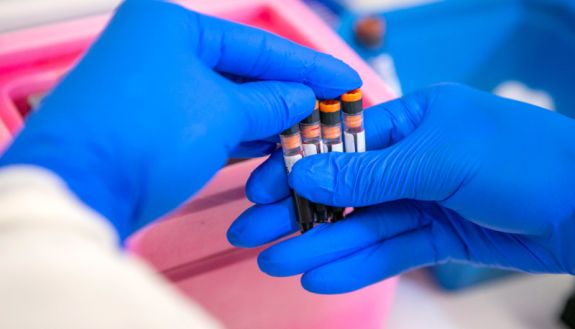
(290,160)
(312,149)
(335,147)
(354,142)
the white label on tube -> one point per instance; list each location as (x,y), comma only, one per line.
(337,147)
(291,160)
(352,141)
(309,149)
(360,142)
(349,142)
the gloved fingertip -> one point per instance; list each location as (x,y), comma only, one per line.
(267,264)
(234,237)
(268,182)
(314,178)
(262,193)
(338,78)
(262,224)
(330,93)
(272,106)
(238,237)
(321,281)
(301,98)
(351,79)
(296,97)
(316,282)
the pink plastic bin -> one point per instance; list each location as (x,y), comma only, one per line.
(189,248)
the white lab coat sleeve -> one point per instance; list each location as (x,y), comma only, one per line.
(61,267)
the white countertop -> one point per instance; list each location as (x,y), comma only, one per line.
(515,302)
(18,14)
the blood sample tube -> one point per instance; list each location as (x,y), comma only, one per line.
(354,134)
(330,117)
(311,133)
(293,152)
(312,144)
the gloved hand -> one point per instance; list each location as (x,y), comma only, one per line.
(450,174)
(161,101)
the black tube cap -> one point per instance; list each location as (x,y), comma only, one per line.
(312,118)
(291,130)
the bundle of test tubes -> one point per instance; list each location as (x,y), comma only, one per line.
(321,132)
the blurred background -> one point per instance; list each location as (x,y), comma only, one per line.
(521,49)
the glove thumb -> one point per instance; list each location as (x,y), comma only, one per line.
(402,171)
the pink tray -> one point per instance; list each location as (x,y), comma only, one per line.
(189,247)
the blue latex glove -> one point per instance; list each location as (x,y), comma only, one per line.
(451,174)
(154,108)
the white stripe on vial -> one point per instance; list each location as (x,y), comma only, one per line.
(290,160)
(352,141)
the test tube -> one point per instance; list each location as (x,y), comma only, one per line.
(330,117)
(312,144)
(330,112)
(354,134)
(311,133)
(293,151)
